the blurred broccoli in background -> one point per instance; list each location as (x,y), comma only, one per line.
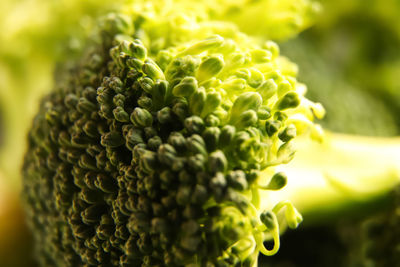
(350,109)
(350,61)
(34,35)
(1,128)
(15,238)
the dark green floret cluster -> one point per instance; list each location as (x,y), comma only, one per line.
(147,153)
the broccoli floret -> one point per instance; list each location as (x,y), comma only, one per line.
(148,151)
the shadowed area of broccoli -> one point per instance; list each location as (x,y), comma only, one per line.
(370,238)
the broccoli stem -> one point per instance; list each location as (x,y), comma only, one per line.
(345,175)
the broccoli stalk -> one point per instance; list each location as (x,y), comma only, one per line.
(347,189)
(342,172)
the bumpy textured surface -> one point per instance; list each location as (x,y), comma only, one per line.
(148,150)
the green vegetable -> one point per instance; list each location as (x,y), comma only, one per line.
(353,210)
(148,152)
(162,145)
(36,34)
(349,61)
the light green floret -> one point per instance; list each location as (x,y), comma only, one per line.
(233,95)
(148,153)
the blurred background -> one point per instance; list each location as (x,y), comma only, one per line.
(349,59)
(34,36)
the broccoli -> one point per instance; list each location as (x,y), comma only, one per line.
(352,217)
(148,152)
(348,61)
(368,240)
(154,147)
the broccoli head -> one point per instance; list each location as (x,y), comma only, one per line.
(148,150)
